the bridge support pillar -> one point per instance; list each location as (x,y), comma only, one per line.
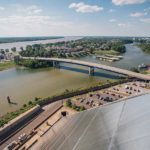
(91,71)
(56,64)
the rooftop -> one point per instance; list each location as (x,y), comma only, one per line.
(122,125)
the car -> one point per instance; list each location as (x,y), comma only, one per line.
(22,137)
(11,145)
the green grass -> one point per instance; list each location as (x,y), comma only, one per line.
(103,52)
(11,115)
(6,65)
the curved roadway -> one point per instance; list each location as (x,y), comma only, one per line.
(95,65)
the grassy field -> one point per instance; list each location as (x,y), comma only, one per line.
(6,65)
(103,52)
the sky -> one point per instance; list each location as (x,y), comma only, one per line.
(20,18)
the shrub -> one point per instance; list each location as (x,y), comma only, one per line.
(69,103)
(30,102)
(37,99)
(24,105)
(74,107)
(82,108)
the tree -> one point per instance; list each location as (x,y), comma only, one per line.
(119,47)
(134,69)
(69,103)
(30,102)
(21,48)
(74,106)
(13,49)
(82,108)
(2,52)
(24,105)
(7,50)
(28,47)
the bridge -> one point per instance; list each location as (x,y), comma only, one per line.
(91,66)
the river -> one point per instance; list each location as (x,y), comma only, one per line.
(24,44)
(23,84)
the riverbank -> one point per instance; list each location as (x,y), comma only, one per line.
(24,39)
(49,81)
(66,94)
(104,52)
(12,115)
(7,65)
(145,47)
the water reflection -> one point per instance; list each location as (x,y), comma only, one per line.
(97,73)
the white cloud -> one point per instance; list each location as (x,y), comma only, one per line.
(126,2)
(147,10)
(123,25)
(30,21)
(84,8)
(37,25)
(146,20)
(137,14)
(34,9)
(112,10)
(30,10)
(2,8)
(112,20)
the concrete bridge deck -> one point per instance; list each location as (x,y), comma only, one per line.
(94,65)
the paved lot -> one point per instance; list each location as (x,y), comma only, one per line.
(90,100)
(101,97)
(47,125)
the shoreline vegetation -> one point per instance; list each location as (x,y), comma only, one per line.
(66,94)
(145,47)
(7,65)
(138,70)
(143,44)
(25,39)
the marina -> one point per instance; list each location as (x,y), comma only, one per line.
(110,58)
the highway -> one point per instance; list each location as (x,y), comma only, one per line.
(35,123)
(94,65)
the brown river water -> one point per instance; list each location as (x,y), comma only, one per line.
(23,84)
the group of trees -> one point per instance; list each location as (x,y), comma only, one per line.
(34,51)
(73,106)
(39,50)
(4,51)
(101,43)
(33,63)
(119,47)
(145,47)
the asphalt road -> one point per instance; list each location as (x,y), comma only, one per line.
(37,121)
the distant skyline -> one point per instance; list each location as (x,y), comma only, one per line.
(20,18)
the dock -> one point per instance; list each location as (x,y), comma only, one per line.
(105,58)
(114,56)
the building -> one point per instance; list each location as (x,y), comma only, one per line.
(122,125)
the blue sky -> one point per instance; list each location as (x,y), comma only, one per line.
(74,17)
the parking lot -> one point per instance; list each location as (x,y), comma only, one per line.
(101,97)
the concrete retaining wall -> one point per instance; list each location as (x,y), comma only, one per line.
(18,120)
(80,92)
